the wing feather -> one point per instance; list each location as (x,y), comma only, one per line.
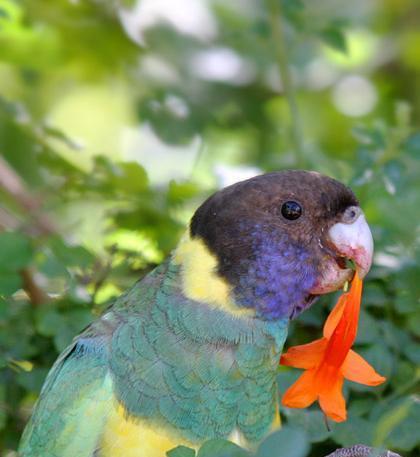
(74,404)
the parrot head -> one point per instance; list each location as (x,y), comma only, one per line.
(282,239)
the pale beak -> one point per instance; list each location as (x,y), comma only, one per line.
(354,241)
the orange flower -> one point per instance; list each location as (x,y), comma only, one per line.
(329,360)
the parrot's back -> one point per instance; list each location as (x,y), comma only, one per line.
(73,405)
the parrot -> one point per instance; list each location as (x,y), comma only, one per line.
(191,351)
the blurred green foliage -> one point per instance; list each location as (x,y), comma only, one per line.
(117,118)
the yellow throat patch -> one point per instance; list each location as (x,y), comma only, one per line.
(200,279)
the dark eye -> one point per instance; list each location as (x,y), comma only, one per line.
(291,210)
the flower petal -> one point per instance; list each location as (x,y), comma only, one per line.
(302,393)
(356,369)
(344,334)
(334,317)
(306,355)
(332,401)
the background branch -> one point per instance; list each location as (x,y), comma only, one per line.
(36,294)
(278,38)
(13,184)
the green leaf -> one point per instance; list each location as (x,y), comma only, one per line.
(407,289)
(413,323)
(9,282)
(368,331)
(63,325)
(130,177)
(74,321)
(395,337)
(52,267)
(397,423)
(287,442)
(374,295)
(404,375)
(3,13)
(293,10)
(286,377)
(312,422)
(335,38)
(371,137)
(355,430)
(360,406)
(15,251)
(58,134)
(389,422)
(178,192)
(23,365)
(71,256)
(412,145)
(3,411)
(32,381)
(10,11)
(412,352)
(3,361)
(48,320)
(221,448)
(394,171)
(181,451)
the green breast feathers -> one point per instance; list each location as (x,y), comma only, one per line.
(194,367)
(188,368)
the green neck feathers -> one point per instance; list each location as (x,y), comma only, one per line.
(195,367)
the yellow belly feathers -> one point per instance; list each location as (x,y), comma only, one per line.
(125,437)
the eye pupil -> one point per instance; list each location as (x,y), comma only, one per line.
(291,210)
